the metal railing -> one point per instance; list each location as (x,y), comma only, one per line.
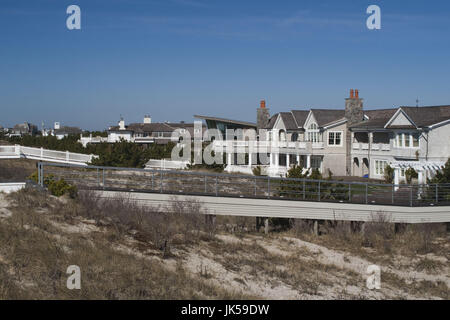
(245,186)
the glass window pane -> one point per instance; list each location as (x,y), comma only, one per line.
(407,140)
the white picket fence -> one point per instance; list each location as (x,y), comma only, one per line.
(17,151)
(165,164)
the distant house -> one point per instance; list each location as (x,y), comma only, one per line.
(147,132)
(64,131)
(23,129)
(61,132)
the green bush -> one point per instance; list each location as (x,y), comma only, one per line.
(57,188)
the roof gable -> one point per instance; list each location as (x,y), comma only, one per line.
(400,120)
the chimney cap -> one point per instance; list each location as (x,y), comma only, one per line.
(262,104)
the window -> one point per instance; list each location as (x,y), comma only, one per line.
(316,162)
(407,140)
(380,165)
(313,133)
(416,137)
(335,138)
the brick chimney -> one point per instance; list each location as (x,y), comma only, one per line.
(262,115)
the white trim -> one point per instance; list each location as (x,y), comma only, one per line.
(335,145)
(375,166)
(395,116)
(337,123)
(439,124)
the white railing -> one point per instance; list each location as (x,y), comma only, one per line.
(166,164)
(374,146)
(317,145)
(44,154)
(261,144)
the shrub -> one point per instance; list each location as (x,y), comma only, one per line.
(410,174)
(57,188)
(257,171)
(389,174)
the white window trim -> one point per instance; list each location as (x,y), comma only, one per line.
(335,145)
(402,136)
(375,171)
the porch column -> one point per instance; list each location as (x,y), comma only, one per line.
(420,177)
(287,160)
(308,161)
(298,159)
(271,159)
(250,159)
(277,159)
(396,179)
(229,162)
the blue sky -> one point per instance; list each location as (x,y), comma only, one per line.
(175,58)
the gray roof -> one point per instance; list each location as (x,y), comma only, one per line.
(300,117)
(327,116)
(288,120)
(145,127)
(421,116)
(427,116)
(237,122)
(295,119)
(68,130)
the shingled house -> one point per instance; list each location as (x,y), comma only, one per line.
(352,141)
(404,137)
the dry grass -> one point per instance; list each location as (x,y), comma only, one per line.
(35,253)
(126,251)
(16,170)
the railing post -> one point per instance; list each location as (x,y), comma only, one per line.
(437,194)
(393,192)
(319,191)
(268,187)
(161,185)
(255,187)
(304,189)
(103,178)
(217,191)
(39,173)
(153,178)
(42,152)
(349,192)
(410,195)
(367,193)
(205,185)
(98,178)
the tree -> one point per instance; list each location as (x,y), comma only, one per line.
(442,176)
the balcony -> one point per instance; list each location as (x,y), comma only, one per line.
(317,145)
(374,147)
(260,144)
